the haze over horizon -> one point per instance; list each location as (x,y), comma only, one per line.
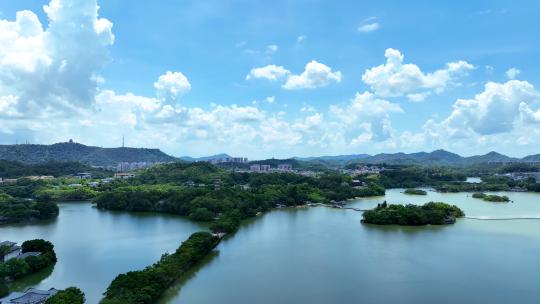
(239,77)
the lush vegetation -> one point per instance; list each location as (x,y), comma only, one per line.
(413,215)
(416,176)
(12,169)
(15,210)
(4,290)
(415,191)
(71,295)
(479,195)
(15,268)
(65,193)
(491,197)
(75,152)
(225,198)
(148,285)
(472,187)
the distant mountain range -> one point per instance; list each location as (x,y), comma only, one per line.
(437,157)
(96,156)
(205,158)
(337,158)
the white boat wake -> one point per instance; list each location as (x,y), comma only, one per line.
(495,218)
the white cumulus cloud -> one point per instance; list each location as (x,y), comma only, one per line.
(498,109)
(54,70)
(171,86)
(270,72)
(394,78)
(365,109)
(315,75)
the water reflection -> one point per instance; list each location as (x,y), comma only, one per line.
(177,288)
(23,284)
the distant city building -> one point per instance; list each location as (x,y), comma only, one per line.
(93,184)
(130,166)
(234,160)
(43,177)
(83,175)
(255,168)
(124,175)
(217,183)
(265,168)
(285,167)
(107,180)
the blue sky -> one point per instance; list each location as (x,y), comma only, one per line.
(94,89)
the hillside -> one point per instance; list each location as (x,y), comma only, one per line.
(437,157)
(11,169)
(65,152)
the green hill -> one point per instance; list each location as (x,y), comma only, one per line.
(75,152)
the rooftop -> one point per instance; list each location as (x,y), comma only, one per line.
(33,296)
(23,256)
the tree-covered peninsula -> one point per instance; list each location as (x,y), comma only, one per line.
(432,213)
(146,286)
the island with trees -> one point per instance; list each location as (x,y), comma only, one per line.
(412,191)
(491,197)
(432,213)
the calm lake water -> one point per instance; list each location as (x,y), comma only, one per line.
(310,255)
(322,255)
(94,246)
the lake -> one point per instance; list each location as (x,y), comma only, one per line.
(324,255)
(310,255)
(94,246)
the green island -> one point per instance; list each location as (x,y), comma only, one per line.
(491,197)
(415,191)
(147,286)
(70,295)
(432,213)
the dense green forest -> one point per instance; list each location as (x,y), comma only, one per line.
(12,169)
(412,215)
(146,286)
(15,268)
(226,198)
(416,176)
(16,210)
